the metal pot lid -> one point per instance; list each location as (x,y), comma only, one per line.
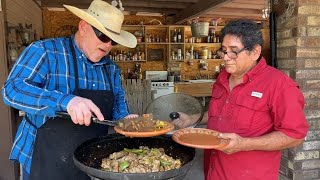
(165,107)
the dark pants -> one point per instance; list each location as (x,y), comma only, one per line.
(25,175)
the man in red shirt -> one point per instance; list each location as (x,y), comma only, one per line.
(257,107)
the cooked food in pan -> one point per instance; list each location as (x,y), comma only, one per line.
(142,160)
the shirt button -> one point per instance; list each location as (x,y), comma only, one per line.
(220,118)
(227,101)
(94,85)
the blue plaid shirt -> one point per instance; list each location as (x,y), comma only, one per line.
(41,83)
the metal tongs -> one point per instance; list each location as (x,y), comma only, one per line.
(62,114)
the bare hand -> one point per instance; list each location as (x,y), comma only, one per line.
(81,110)
(184,120)
(235,144)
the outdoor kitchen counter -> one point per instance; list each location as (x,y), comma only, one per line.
(195,88)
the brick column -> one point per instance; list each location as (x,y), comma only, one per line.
(298,43)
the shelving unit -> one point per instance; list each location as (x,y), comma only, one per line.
(157,43)
(161,52)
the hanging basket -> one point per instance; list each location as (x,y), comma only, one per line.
(200,29)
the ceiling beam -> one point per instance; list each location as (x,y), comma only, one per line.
(125,3)
(244,5)
(236,10)
(235,16)
(184,1)
(196,10)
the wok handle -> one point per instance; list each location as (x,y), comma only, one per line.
(66,115)
(104,122)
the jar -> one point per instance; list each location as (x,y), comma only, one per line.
(205,52)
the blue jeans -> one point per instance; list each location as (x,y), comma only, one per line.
(25,175)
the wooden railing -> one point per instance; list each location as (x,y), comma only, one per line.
(138,94)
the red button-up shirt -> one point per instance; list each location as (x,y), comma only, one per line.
(266,101)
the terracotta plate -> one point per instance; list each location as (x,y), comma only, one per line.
(158,132)
(199,138)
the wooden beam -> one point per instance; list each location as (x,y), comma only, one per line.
(184,1)
(236,10)
(196,10)
(234,16)
(244,5)
(125,3)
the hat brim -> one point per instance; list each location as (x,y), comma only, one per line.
(124,38)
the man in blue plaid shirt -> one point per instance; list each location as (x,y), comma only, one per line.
(67,74)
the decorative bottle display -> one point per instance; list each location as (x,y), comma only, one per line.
(212,37)
(120,55)
(177,54)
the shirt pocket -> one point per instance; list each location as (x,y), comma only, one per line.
(248,108)
(216,102)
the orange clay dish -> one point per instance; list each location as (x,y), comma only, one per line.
(199,138)
(143,127)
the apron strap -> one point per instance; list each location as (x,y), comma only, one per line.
(75,63)
(76,68)
(30,122)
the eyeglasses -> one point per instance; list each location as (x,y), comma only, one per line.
(231,54)
(102,37)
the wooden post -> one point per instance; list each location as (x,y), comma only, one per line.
(8,170)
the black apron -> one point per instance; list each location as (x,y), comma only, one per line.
(58,138)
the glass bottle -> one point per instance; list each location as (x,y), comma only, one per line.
(179,36)
(204,52)
(175,36)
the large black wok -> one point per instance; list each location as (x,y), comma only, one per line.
(89,154)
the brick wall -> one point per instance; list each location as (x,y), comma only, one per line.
(298,41)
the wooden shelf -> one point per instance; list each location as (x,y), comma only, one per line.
(164,33)
(129,61)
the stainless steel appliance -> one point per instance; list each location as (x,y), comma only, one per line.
(159,83)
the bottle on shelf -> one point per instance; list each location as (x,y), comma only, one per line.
(179,54)
(204,52)
(179,36)
(175,36)
(191,53)
(173,55)
(143,56)
(209,38)
(139,73)
(216,72)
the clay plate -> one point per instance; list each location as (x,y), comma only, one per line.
(199,138)
(168,128)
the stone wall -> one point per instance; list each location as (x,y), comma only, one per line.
(298,41)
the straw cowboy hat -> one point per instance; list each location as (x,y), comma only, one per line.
(107,19)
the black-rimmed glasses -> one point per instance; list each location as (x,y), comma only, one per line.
(102,37)
(230,54)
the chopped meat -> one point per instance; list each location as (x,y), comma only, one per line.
(142,160)
(118,155)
